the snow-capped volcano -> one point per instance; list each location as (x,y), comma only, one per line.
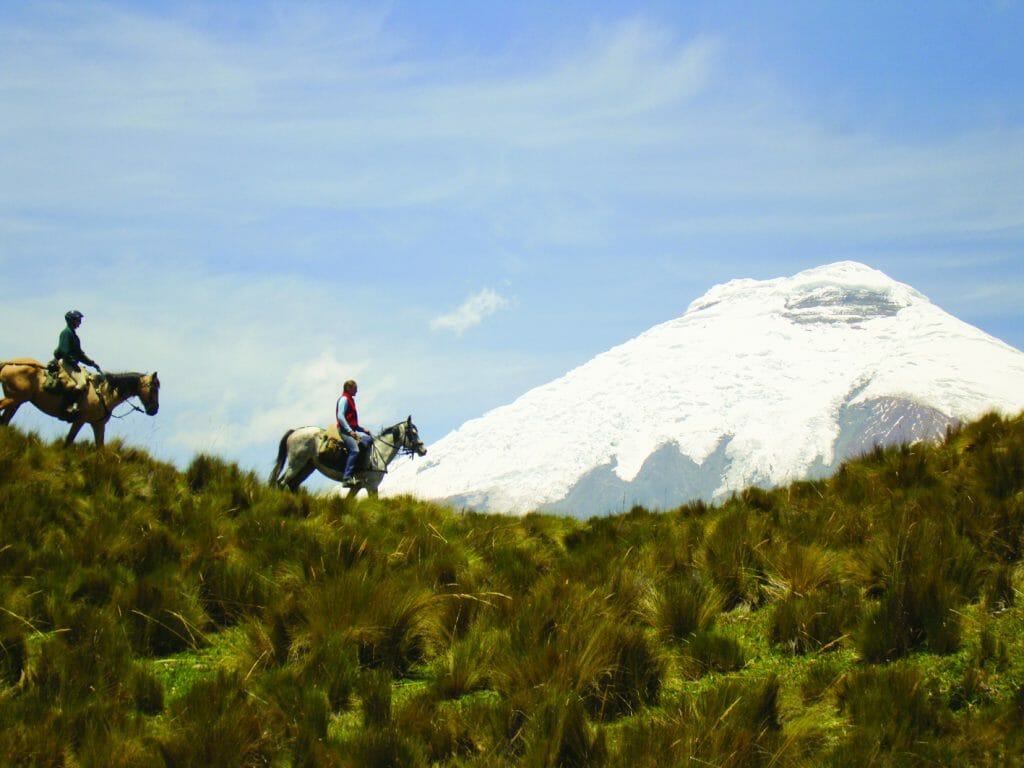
(758,383)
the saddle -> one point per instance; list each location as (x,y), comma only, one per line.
(331,451)
(58,381)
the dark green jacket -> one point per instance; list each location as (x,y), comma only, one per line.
(69,348)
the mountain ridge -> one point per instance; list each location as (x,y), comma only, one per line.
(757,383)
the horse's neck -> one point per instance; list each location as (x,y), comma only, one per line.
(386,445)
(112,395)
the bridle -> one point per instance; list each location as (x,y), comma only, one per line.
(127,401)
(405,449)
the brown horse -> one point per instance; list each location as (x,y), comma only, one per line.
(22,380)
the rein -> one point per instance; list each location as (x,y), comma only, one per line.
(111,380)
(131,407)
(399,450)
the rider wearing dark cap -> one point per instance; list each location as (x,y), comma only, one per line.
(71,358)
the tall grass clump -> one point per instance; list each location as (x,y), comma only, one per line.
(559,735)
(920,583)
(733,555)
(218,723)
(464,667)
(683,605)
(815,608)
(398,634)
(564,639)
(735,723)
(896,713)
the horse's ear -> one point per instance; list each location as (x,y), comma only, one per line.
(409,420)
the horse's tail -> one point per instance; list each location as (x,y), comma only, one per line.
(282,454)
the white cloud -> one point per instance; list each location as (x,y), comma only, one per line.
(471,312)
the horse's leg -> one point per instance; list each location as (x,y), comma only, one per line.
(8,407)
(73,432)
(298,478)
(291,471)
(98,430)
(372,483)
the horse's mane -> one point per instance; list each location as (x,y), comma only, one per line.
(395,430)
(125,382)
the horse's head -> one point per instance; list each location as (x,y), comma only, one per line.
(149,392)
(411,439)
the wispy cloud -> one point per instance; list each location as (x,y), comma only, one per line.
(471,312)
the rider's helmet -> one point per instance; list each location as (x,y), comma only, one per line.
(73,314)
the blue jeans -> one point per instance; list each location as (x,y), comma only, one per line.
(353,450)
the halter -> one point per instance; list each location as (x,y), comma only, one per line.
(106,379)
(402,450)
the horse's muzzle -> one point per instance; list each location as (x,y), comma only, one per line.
(151,410)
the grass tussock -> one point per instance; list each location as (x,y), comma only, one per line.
(156,617)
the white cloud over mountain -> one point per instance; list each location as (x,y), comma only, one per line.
(471,312)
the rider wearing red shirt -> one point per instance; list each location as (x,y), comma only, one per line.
(351,432)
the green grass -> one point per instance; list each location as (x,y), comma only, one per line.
(156,617)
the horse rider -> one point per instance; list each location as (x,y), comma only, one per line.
(351,432)
(71,358)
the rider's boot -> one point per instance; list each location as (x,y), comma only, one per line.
(71,406)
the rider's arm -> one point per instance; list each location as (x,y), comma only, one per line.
(74,351)
(342,422)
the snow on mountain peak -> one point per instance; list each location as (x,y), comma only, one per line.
(842,292)
(759,382)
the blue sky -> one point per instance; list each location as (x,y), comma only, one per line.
(455,202)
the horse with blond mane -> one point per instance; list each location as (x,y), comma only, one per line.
(24,381)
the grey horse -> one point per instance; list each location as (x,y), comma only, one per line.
(300,453)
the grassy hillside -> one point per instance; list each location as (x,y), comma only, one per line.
(152,617)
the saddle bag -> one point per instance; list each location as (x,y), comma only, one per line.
(331,449)
(53,381)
